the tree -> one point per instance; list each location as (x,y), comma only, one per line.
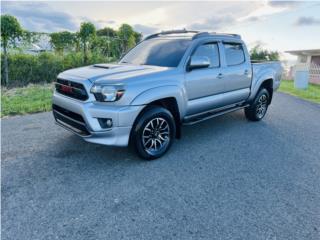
(62,41)
(86,35)
(76,41)
(104,42)
(258,53)
(107,32)
(10,32)
(101,45)
(126,35)
(138,37)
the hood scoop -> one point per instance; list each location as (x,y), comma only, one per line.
(106,66)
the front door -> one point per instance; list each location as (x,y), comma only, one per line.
(204,83)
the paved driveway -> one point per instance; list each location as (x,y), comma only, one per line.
(227,178)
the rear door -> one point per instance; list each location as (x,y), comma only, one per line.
(236,71)
(203,84)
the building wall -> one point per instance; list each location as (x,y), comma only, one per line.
(310,64)
(314,70)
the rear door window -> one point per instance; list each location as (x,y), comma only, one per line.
(234,53)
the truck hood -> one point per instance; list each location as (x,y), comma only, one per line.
(111,72)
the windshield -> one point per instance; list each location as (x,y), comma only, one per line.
(157,52)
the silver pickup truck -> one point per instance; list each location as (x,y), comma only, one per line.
(169,79)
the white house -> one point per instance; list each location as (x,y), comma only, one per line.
(309,61)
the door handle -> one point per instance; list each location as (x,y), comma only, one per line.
(246,72)
(220,75)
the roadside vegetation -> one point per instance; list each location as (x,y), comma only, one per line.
(30,99)
(257,53)
(312,93)
(25,60)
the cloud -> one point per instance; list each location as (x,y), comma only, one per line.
(254,19)
(283,4)
(255,43)
(97,23)
(144,29)
(38,16)
(307,21)
(213,23)
(111,21)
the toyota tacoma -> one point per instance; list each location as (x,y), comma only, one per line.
(170,79)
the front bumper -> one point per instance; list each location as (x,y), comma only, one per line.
(86,114)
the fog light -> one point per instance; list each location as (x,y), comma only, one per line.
(105,122)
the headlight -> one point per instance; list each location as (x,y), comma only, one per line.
(107,93)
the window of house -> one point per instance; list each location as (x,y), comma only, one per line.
(315,60)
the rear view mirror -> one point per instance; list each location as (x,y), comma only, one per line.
(197,62)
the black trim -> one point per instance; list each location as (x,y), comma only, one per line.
(77,90)
(70,120)
(200,117)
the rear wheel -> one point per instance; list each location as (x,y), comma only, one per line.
(257,110)
(153,133)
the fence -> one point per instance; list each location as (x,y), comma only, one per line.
(314,73)
(312,68)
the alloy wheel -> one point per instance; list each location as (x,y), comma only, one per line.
(262,106)
(156,135)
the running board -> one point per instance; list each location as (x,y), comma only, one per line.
(208,115)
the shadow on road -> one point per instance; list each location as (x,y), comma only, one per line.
(70,146)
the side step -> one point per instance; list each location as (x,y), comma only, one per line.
(211,114)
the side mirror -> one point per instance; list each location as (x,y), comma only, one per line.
(197,62)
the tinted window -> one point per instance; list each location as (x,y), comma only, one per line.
(158,52)
(211,51)
(234,53)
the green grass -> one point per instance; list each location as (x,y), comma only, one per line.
(30,99)
(312,93)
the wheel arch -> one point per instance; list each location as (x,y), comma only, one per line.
(159,94)
(169,103)
(171,97)
(267,83)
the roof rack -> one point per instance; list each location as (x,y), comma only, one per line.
(206,34)
(169,32)
(195,36)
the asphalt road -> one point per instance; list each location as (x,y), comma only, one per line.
(227,178)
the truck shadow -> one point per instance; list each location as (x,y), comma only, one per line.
(72,146)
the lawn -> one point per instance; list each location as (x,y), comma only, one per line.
(311,94)
(30,99)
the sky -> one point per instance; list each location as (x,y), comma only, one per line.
(275,25)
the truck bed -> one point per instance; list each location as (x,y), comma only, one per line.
(262,70)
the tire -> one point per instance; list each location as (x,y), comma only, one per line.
(257,110)
(153,133)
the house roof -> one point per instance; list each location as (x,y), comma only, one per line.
(307,52)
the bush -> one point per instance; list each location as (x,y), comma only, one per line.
(259,54)
(44,67)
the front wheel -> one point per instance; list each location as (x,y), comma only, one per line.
(257,110)
(153,133)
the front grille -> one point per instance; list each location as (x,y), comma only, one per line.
(70,120)
(71,89)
